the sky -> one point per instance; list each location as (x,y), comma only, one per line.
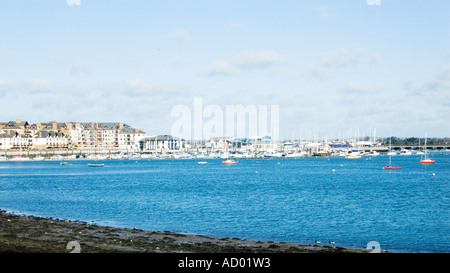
(334,68)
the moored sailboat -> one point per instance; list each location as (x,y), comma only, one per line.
(229,162)
(390,167)
(425,159)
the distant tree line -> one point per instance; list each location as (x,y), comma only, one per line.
(414,141)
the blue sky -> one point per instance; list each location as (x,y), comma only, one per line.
(333,67)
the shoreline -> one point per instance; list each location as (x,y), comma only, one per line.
(4,158)
(31,234)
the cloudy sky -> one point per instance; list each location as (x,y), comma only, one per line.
(333,67)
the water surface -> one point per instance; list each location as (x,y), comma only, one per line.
(349,202)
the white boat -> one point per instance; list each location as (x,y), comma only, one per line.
(39,158)
(296,154)
(57,157)
(202,162)
(273,154)
(237,155)
(185,156)
(419,152)
(3,158)
(391,153)
(405,152)
(390,167)
(373,153)
(229,162)
(362,153)
(249,155)
(353,154)
(95,164)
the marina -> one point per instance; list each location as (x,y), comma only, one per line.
(209,154)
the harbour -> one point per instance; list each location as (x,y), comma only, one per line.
(199,153)
(21,141)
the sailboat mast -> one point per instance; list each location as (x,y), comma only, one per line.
(390,150)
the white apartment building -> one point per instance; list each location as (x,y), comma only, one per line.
(73,135)
(160,143)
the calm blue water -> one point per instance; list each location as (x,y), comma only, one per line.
(290,200)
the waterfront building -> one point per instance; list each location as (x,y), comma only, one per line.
(264,143)
(160,143)
(69,135)
(50,140)
(218,142)
(17,126)
(14,140)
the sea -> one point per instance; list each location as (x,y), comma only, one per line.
(330,201)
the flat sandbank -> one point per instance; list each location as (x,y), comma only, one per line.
(29,234)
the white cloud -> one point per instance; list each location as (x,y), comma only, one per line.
(16,90)
(319,72)
(434,92)
(439,83)
(344,58)
(139,87)
(221,68)
(358,101)
(6,83)
(72,67)
(28,87)
(180,34)
(356,88)
(323,11)
(257,59)
(34,85)
(261,59)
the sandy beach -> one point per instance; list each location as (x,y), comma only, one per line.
(28,234)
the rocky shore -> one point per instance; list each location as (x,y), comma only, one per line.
(28,234)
